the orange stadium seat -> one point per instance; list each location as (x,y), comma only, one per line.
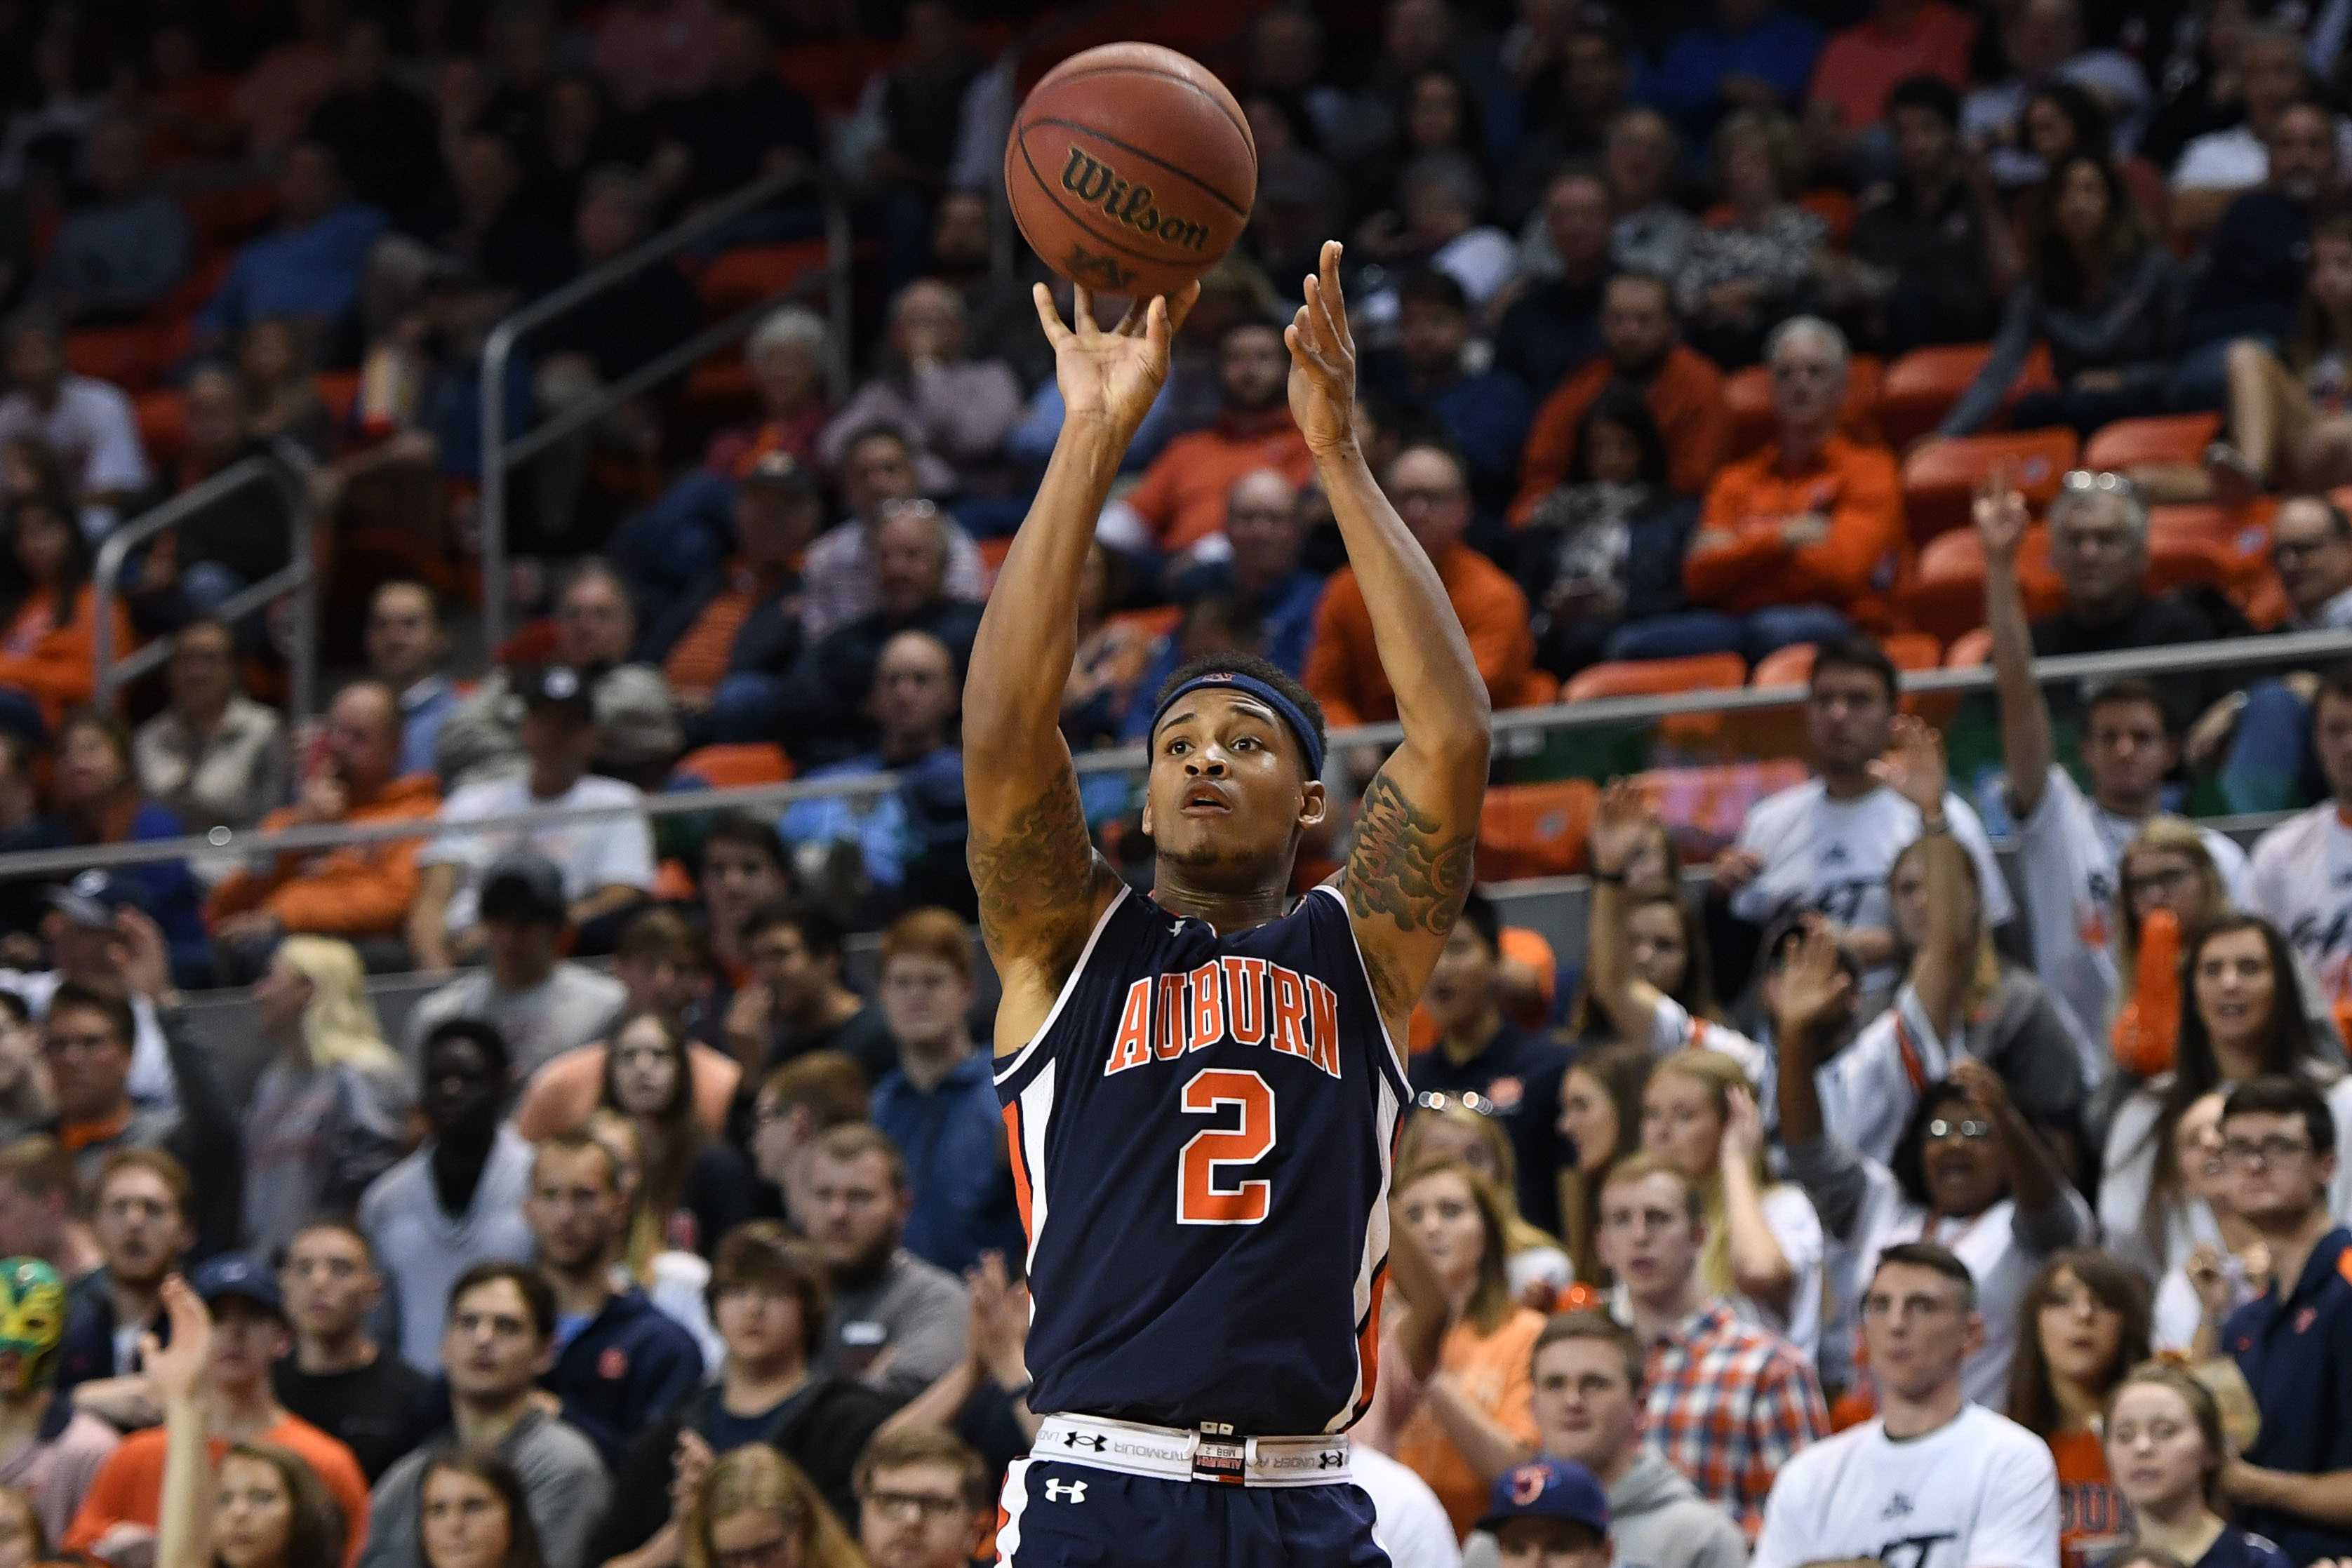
(532,642)
(1657,677)
(1703,806)
(1150,624)
(1535,830)
(743,277)
(339,390)
(1789,666)
(2169,438)
(735,766)
(1941,476)
(721,389)
(1945,596)
(133,358)
(1921,387)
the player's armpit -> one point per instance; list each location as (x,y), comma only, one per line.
(1407,875)
(1040,884)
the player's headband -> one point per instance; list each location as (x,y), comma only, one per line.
(1290,713)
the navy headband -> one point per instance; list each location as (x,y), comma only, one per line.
(1290,713)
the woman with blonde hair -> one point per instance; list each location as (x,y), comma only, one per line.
(1535,1264)
(755,1505)
(330,1113)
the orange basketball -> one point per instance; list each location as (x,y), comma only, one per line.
(1131,169)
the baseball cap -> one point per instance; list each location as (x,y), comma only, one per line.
(523,885)
(558,685)
(1548,1489)
(238,1274)
(91,898)
(777,471)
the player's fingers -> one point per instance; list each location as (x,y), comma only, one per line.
(1330,336)
(1335,298)
(1138,311)
(1157,331)
(1305,352)
(1082,311)
(1180,305)
(1048,317)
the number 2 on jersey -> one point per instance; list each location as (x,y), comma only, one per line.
(1203,1195)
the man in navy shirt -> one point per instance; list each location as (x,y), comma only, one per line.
(1515,1073)
(2293,1342)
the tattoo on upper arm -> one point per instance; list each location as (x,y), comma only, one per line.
(1406,865)
(1034,873)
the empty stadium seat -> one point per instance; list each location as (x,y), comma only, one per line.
(1941,476)
(1657,677)
(2170,438)
(1922,386)
(735,766)
(1945,596)
(1535,830)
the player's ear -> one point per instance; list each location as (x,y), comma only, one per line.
(1312,803)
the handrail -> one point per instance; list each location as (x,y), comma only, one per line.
(500,455)
(2301,647)
(299,576)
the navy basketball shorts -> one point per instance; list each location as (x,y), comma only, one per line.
(1058,1514)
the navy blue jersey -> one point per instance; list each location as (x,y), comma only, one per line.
(1201,1139)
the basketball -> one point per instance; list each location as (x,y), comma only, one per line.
(1131,169)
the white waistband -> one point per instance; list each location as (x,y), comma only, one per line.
(1173,1453)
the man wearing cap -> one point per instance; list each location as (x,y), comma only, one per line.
(607,864)
(118,1517)
(48,1450)
(1548,1513)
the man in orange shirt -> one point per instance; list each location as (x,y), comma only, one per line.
(1180,504)
(1800,543)
(1640,342)
(119,1514)
(726,656)
(1343,667)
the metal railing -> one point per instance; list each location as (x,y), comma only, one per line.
(2304,649)
(502,455)
(283,470)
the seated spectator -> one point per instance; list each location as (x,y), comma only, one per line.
(1919,1319)
(727,645)
(1545,1511)
(1854,96)
(329,1112)
(1179,508)
(896,1322)
(2098,291)
(457,1200)
(2195,1300)
(1652,235)
(406,646)
(742,123)
(541,1004)
(1762,261)
(742,869)
(769,1295)
(924,1497)
(309,267)
(359,892)
(954,411)
(1457,1130)
(2081,1328)
(2281,1137)
(800,1103)
(793,1000)
(42,1207)
(1466,1350)
(2171,1486)
(233,1403)
(755,1490)
(1588,1380)
(122,250)
(215,756)
(1800,543)
(54,1451)
(1433,110)
(2043,41)
(908,841)
(1639,346)
(624,1359)
(142,1219)
(502,1327)
(226,545)
(1484,413)
(1478,1052)
(607,865)
(484,220)
(1430,490)
(1573,70)
(2098,547)
(1553,326)
(1265,534)
(638,734)
(1605,549)
(280,388)
(95,798)
(1747,55)
(2242,1018)
(2220,165)
(383,136)
(86,423)
(336,1376)
(691,1186)
(2285,426)
(877,468)
(837,675)
(934,1104)
(1920,264)
(1444,199)
(1110,656)
(999,311)
(787,354)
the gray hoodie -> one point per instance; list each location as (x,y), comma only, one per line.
(1656,1520)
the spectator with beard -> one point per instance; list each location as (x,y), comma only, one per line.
(794,1002)
(142,1218)
(896,1322)
(924,1501)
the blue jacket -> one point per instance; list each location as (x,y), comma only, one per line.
(312,271)
(625,1369)
(953,1140)
(2297,1354)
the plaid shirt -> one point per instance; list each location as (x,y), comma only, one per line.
(1728,1405)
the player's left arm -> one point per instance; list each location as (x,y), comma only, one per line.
(1409,869)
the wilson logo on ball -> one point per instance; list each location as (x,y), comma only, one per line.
(1096,183)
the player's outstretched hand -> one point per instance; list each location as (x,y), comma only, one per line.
(1113,374)
(1323,362)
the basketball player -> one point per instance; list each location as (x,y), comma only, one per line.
(1203,1092)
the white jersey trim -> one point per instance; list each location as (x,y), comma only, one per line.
(1062,998)
(1396,1057)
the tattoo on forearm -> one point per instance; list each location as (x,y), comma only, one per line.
(1403,865)
(1033,873)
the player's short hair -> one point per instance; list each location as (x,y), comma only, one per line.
(929,932)
(1857,651)
(1256,669)
(537,1296)
(1429,285)
(1595,1325)
(1478,913)
(1641,1164)
(746,831)
(925,1444)
(763,1253)
(37,1166)
(830,1083)
(856,1139)
(2281,1095)
(155,1163)
(1935,1260)
(479,1032)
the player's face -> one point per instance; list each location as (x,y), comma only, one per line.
(916,1516)
(1917,1327)
(1584,1407)
(1681,1122)
(2331,735)
(2128,753)
(1648,1238)
(1588,1119)
(2275,1174)
(1660,954)
(2155,1450)
(1462,986)
(1444,1214)
(1228,796)
(1550,1543)
(2081,1335)
(2235,987)
(1849,720)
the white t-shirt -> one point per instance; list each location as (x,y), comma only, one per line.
(93,429)
(1869,1090)
(2068,867)
(2302,884)
(1408,1521)
(1833,855)
(1981,1491)
(617,853)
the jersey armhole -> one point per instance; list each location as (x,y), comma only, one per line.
(1021,1059)
(1393,1060)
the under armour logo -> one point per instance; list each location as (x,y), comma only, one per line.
(1328,1459)
(1065,1491)
(1897,1507)
(1084,1440)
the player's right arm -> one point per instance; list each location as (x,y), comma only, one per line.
(2026,748)
(1041,886)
